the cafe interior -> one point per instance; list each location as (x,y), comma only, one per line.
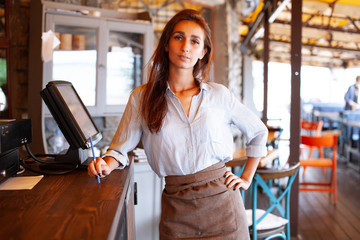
(291,62)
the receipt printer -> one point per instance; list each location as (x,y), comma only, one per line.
(14,133)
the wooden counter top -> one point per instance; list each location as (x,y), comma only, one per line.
(71,206)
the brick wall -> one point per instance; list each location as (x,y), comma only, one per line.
(19,56)
(228,59)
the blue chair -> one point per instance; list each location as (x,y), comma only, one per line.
(268,225)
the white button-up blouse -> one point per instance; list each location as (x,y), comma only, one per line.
(188,144)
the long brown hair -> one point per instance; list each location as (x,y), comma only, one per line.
(154,106)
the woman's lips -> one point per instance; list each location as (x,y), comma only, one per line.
(183,57)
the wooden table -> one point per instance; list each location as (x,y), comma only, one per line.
(330,132)
(71,206)
(239,158)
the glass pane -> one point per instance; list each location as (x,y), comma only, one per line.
(3,85)
(2,19)
(75,60)
(124,66)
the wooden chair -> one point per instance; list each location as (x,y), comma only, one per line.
(321,162)
(311,129)
(268,225)
(274,134)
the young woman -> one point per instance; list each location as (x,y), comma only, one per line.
(184,124)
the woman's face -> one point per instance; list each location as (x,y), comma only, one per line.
(186,45)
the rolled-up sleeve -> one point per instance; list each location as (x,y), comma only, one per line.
(251,126)
(118,156)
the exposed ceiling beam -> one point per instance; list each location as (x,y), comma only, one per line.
(278,10)
(253,28)
(323,27)
(353,22)
(320,46)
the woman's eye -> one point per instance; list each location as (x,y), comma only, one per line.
(195,42)
(177,37)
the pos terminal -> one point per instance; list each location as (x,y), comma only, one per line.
(13,134)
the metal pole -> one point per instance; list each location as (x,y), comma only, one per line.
(266,63)
(296,26)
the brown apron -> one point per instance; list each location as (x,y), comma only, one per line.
(200,206)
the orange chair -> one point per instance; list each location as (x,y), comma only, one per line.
(312,129)
(322,162)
